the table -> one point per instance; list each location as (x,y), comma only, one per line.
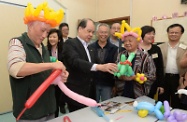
(87,115)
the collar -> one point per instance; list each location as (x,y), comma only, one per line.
(107,44)
(82,41)
(174,46)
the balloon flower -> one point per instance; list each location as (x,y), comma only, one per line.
(54,78)
(124,66)
(145,108)
(140,78)
(177,115)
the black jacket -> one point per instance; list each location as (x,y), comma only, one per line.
(110,56)
(77,64)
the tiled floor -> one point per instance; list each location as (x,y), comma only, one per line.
(8,117)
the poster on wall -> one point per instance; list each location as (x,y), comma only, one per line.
(162,25)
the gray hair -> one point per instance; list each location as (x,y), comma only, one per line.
(102,24)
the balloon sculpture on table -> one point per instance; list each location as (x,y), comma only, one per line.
(124,66)
(145,108)
(54,78)
(176,116)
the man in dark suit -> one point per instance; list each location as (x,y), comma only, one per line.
(78,60)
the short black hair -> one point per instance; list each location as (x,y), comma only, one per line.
(114,23)
(147,29)
(83,23)
(59,44)
(63,25)
(176,25)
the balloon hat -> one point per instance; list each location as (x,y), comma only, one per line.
(136,32)
(44,14)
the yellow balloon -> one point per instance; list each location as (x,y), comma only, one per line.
(38,10)
(46,13)
(142,113)
(122,29)
(119,35)
(127,27)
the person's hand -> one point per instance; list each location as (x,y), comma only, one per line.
(123,77)
(61,78)
(109,67)
(160,90)
(182,83)
(58,65)
(64,76)
(183,61)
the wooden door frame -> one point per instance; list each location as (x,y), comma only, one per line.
(113,20)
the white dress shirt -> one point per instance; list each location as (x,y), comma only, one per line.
(87,52)
(171,64)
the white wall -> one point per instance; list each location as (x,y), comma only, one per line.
(141,11)
(78,9)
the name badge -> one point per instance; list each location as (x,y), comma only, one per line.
(155,55)
(182,46)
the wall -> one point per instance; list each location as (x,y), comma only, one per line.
(11,26)
(142,14)
(78,9)
(141,11)
(107,9)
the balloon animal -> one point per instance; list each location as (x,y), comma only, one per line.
(124,66)
(145,108)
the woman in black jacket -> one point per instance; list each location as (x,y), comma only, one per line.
(148,34)
(54,46)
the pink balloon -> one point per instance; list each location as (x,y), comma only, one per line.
(79,98)
(142,78)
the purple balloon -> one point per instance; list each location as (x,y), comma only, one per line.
(180,116)
(171,119)
(167,109)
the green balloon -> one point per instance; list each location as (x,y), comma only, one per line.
(131,56)
(53,59)
(123,58)
(162,110)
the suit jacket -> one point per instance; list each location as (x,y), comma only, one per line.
(77,63)
(180,52)
(110,56)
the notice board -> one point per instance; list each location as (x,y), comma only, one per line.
(161,26)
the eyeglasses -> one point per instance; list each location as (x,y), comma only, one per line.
(115,28)
(103,32)
(172,33)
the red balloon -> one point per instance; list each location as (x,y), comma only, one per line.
(30,102)
(40,90)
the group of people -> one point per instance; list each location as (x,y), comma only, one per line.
(88,69)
